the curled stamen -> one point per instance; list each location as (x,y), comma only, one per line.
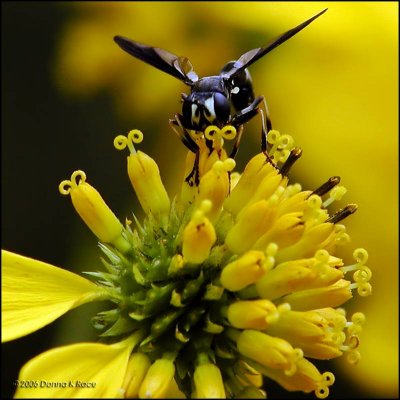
(273,139)
(315,214)
(363,288)
(327,186)
(134,136)
(65,186)
(270,253)
(358,318)
(353,357)
(322,390)
(273,136)
(291,190)
(281,155)
(341,237)
(361,255)
(314,202)
(335,194)
(293,359)
(285,141)
(321,266)
(228,132)
(362,273)
(212,132)
(224,166)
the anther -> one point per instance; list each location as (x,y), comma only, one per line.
(294,155)
(327,186)
(342,214)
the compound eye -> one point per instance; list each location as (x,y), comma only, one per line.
(221,107)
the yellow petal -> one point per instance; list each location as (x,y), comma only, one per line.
(35,293)
(84,370)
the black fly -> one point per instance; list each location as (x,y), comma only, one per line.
(225,99)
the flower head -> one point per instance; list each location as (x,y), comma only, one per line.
(233,279)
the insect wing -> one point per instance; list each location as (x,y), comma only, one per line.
(179,67)
(253,55)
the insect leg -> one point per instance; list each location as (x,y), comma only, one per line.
(247,113)
(266,125)
(235,147)
(194,177)
(183,134)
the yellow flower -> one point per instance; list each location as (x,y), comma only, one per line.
(209,293)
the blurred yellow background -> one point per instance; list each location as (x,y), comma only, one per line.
(333,87)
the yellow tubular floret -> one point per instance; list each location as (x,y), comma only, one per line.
(256,169)
(208,381)
(307,379)
(292,276)
(214,186)
(91,207)
(244,271)
(272,352)
(136,370)
(250,226)
(158,379)
(327,296)
(250,314)
(319,333)
(198,236)
(34,294)
(144,175)
(311,240)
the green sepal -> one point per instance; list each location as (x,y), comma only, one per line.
(105,318)
(224,353)
(176,299)
(192,317)
(107,278)
(192,288)
(180,336)
(158,269)
(157,298)
(115,259)
(138,275)
(212,327)
(121,326)
(213,292)
(161,324)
